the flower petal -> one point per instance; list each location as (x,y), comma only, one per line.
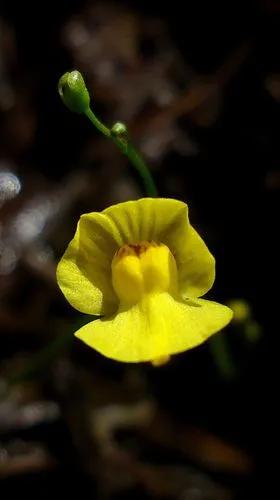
(196,265)
(84,272)
(157,327)
(145,219)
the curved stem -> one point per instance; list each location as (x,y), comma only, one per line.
(97,123)
(132,154)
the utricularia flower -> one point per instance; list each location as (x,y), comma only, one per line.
(141,267)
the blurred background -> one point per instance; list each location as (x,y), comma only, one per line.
(198,85)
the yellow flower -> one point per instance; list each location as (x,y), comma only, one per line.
(141,266)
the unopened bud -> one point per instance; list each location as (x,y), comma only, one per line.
(119,130)
(73,92)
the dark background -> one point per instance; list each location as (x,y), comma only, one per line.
(199,87)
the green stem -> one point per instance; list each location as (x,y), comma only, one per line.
(127,149)
(142,169)
(74,93)
(97,123)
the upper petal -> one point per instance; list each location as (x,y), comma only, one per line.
(155,328)
(146,219)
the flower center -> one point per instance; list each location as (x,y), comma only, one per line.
(143,268)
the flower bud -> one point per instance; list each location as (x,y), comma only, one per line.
(119,130)
(241,310)
(73,92)
(120,136)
